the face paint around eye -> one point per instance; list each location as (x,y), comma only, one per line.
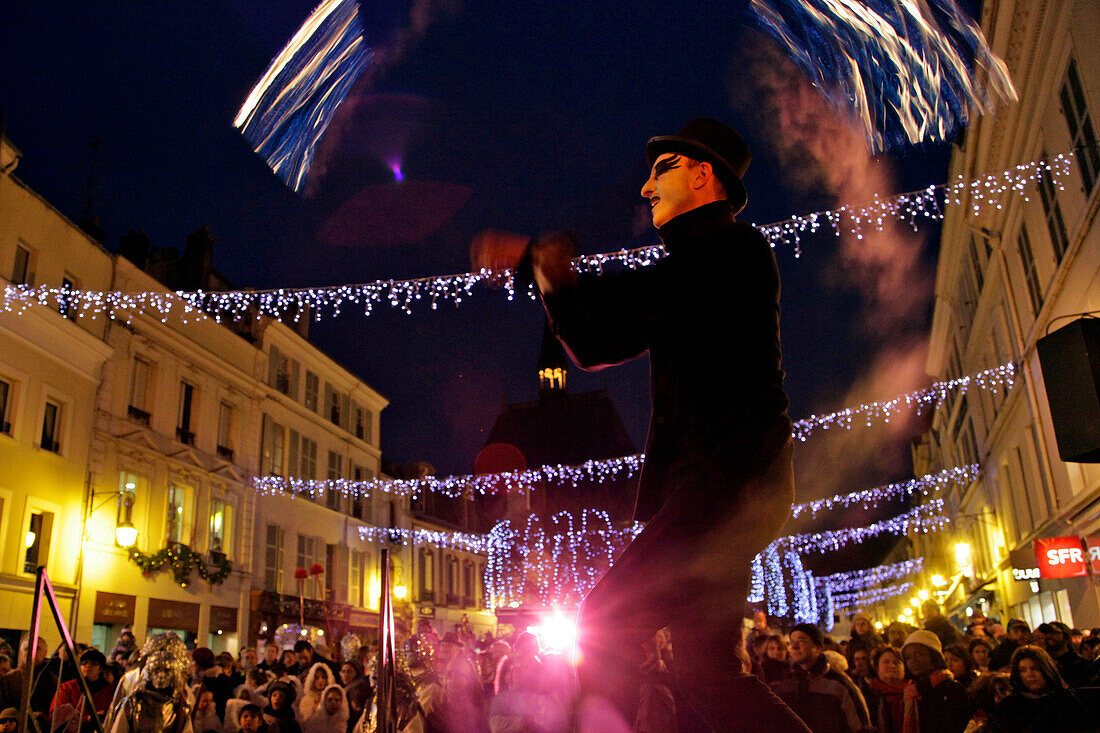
(664,166)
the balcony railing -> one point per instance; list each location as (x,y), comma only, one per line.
(138,415)
(185,436)
(226,453)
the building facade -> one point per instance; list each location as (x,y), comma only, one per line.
(1006,278)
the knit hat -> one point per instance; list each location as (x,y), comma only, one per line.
(924,637)
(817,637)
(9,714)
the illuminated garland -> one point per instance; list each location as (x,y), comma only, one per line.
(555,562)
(464,541)
(181,560)
(925,518)
(920,399)
(486,484)
(926,485)
(293,303)
(868,597)
(858,579)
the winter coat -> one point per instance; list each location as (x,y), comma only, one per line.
(826,699)
(321,722)
(1073,667)
(1056,712)
(716,290)
(70,697)
(943,705)
(886,706)
(1001,657)
(149,711)
(310,699)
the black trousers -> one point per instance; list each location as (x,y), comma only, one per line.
(688,570)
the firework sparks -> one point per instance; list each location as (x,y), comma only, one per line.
(288,110)
(908,70)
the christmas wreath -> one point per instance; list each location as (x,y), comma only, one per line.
(181,560)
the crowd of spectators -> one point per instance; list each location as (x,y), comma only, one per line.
(901,679)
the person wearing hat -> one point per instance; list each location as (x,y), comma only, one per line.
(1018,634)
(9,720)
(934,701)
(279,716)
(717,483)
(1056,641)
(69,698)
(820,694)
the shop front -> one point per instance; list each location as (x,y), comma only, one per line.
(113,613)
(177,616)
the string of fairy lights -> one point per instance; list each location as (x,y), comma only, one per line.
(859,600)
(861,579)
(293,304)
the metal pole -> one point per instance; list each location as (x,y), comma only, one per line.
(386,702)
(67,638)
(32,648)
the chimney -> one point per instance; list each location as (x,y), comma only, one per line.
(198,260)
(135,247)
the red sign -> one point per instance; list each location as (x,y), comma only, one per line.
(1060,557)
(1093,553)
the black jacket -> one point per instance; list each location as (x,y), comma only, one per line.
(943,708)
(708,315)
(1057,712)
(826,699)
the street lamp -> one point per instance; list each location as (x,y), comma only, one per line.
(126,533)
(400,591)
(923,594)
(939,581)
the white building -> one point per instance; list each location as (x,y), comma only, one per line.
(1005,279)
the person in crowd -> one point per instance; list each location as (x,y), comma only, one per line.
(860,669)
(884,698)
(863,636)
(656,701)
(826,700)
(937,623)
(252,692)
(418,692)
(960,663)
(759,630)
(9,720)
(1056,640)
(164,645)
(45,682)
(160,701)
(463,710)
(205,718)
(897,633)
(517,705)
(231,669)
(426,632)
(1040,699)
(250,719)
(5,664)
(249,659)
(1017,634)
(987,693)
(776,659)
(290,661)
(307,656)
(271,656)
(69,703)
(124,648)
(934,702)
(318,679)
(356,688)
(331,716)
(208,674)
(279,714)
(981,650)
(1088,648)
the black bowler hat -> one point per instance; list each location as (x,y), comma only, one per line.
(707,139)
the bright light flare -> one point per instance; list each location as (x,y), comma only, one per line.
(292,104)
(557,633)
(909,70)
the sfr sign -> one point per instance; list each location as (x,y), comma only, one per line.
(1060,557)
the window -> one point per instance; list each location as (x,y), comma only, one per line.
(363,503)
(335,472)
(37,542)
(309,458)
(336,406)
(977,263)
(274,441)
(5,406)
(68,305)
(283,373)
(366,417)
(1031,276)
(452,580)
(175,520)
(183,425)
(360,424)
(1076,111)
(330,572)
(51,427)
(219,526)
(139,391)
(225,426)
(426,572)
(1026,522)
(356,573)
(307,556)
(468,588)
(1053,211)
(273,559)
(313,386)
(21,269)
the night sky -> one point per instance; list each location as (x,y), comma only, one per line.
(524,116)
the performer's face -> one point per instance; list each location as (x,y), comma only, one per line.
(669,188)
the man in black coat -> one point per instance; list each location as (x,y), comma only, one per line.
(718,483)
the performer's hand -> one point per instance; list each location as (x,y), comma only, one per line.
(496,251)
